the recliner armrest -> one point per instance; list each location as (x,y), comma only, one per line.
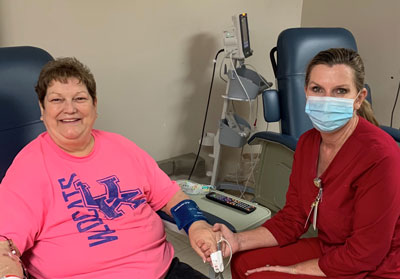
(286,140)
(271,108)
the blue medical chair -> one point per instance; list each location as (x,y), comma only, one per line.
(395,133)
(19,108)
(295,48)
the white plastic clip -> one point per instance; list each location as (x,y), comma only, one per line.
(217,261)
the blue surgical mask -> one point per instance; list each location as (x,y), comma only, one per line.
(329,114)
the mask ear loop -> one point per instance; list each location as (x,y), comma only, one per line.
(355,99)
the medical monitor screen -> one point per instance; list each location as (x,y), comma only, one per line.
(244,30)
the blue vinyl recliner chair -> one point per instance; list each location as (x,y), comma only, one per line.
(19,108)
(295,48)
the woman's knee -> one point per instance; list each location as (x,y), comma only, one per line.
(239,265)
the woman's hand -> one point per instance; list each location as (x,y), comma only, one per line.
(201,236)
(277,268)
(10,262)
(230,236)
(309,267)
(203,239)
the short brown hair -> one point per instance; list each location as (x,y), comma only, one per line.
(61,70)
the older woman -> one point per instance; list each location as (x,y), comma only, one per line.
(345,181)
(81,203)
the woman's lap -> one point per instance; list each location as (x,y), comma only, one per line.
(181,270)
(303,250)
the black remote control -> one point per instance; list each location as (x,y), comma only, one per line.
(231,202)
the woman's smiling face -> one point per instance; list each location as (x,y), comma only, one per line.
(69,113)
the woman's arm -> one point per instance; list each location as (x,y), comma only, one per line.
(252,239)
(262,237)
(202,238)
(9,262)
(177,198)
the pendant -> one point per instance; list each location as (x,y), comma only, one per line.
(314,205)
(309,214)
(317,182)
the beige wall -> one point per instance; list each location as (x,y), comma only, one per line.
(152,59)
(376,27)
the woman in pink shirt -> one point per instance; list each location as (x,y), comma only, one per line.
(81,203)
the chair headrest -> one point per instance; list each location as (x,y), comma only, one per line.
(19,71)
(19,109)
(297,46)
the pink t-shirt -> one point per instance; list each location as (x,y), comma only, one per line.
(87,217)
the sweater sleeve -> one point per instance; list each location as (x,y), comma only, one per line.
(376,213)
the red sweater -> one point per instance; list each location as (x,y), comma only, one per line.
(358,219)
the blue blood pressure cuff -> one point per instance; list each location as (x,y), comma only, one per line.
(186,213)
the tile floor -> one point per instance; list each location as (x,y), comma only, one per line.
(186,254)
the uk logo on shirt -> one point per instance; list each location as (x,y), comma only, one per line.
(112,203)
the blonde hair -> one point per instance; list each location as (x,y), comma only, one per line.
(366,112)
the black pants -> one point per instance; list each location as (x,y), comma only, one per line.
(180,270)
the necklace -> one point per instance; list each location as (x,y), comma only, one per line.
(314,205)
